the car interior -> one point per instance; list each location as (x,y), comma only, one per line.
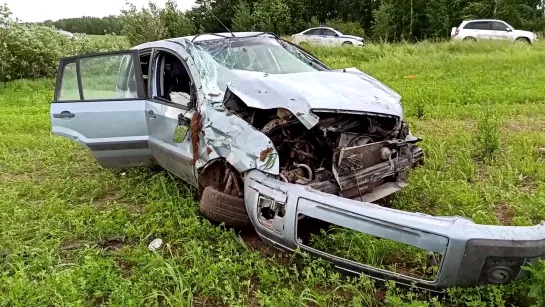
(174,83)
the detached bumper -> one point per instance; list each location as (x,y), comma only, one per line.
(472,254)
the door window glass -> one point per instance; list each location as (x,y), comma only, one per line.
(69,83)
(312,32)
(328,32)
(499,26)
(100,77)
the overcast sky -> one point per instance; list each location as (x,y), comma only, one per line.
(41,10)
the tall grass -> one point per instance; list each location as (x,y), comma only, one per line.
(60,212)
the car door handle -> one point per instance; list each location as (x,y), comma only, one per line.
(151,114)
(64,114)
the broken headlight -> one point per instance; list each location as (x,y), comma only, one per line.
(271,213)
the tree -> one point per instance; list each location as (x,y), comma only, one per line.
(271,16)
(384,28)
(243,21)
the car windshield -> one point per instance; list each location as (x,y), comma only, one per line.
(260,54)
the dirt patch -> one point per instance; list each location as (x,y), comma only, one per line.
(504,213)
(525,125)
(252,240)
(110,200)
(195,128)
(124,266)
(263,155)
(528,185)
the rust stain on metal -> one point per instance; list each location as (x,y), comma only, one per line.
(195,128)
(208,150)
(263,155)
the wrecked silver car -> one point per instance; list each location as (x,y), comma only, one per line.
(274,139)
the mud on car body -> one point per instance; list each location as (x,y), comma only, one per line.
(274,139)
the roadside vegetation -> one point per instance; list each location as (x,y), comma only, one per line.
(74,234)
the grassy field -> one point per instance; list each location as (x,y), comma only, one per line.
(73,234)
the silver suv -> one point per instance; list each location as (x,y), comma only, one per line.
(478,29)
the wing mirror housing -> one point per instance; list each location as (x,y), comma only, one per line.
(336,35)
(509,30)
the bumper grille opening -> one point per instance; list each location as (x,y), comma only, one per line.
(369,250)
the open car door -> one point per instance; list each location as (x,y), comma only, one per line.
(99,102)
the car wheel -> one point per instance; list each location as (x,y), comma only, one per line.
(224,208)
(523,40)
(304,45)
(347,44)
(470,39)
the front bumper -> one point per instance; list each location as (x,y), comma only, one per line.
(472,254)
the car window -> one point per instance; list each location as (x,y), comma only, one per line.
(328,32)
(499,26)
(312,32)
(69,84)
(479,25)
(99,77)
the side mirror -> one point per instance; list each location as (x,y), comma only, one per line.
(336,35)
(509,30)
(180,132)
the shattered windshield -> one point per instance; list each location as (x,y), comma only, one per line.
(260,54)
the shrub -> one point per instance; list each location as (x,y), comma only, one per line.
(33,51)
(154,23)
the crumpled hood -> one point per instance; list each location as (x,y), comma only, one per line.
(351,90)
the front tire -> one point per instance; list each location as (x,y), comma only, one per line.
(523,40)
(347,44)
(224,208)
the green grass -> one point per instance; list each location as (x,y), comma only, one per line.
(73,234)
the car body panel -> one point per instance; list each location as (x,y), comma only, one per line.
(456,238)
(303,92)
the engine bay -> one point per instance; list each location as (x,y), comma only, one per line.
(344,154)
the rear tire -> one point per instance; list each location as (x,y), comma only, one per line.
(470,39)
(224,208)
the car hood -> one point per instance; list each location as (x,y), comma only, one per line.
(352,36)
(348,90)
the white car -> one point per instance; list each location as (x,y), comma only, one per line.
(327,37)
(490,29)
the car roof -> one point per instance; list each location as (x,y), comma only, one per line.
(320,27)
(200,38)
(471,20)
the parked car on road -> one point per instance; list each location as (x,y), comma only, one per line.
(275,140)
(481,29)
(327,37)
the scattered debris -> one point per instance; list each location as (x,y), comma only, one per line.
(263,155)
(155,244)
(542,150)
(409,77)
(124,173)
(195,127)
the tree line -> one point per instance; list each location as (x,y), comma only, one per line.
(88,25)
(383,20)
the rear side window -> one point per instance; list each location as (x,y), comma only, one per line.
(69,83)
(99,76)
(479,25)
(103,76)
